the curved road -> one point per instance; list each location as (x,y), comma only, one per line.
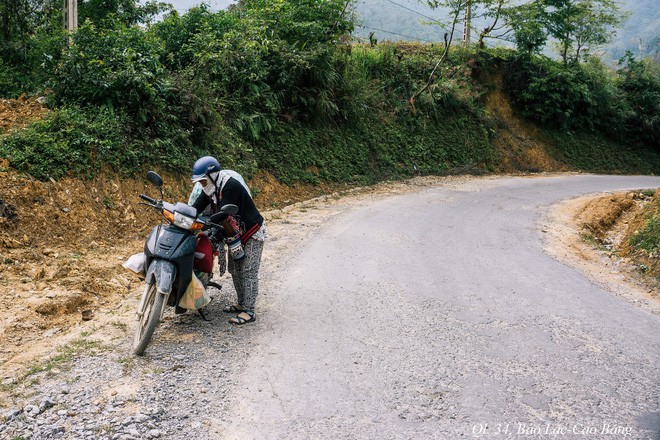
(437,315)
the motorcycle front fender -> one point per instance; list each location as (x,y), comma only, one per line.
(165,273)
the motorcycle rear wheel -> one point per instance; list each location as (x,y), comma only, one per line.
(153,307)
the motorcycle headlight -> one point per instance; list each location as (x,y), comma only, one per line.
(183,221)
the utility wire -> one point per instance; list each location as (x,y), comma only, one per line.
(400,35)
(416,12)
(185,11)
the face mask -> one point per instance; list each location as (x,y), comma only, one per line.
(216,181)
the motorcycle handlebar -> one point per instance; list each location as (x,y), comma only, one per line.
(148,199)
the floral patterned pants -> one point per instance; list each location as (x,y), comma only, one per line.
(245,274)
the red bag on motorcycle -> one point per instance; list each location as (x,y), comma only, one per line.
(203,254)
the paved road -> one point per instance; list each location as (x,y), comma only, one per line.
(436,315)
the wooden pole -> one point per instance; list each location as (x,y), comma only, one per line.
(467,24)
(71,15)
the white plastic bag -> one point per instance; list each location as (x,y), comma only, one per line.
(136,263)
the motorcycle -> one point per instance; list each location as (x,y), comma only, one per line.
(172,252)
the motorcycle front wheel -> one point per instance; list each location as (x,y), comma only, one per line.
(147,323)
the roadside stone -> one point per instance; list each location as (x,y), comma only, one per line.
(45,404)
(57,430)
(31,410)
(11,414)
(41,272)
(154,433)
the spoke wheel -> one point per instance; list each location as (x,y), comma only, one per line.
(149,320)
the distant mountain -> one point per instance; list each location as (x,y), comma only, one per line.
(413,20)
(641,33)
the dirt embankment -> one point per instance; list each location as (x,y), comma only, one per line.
(612,221)
(520,143)
(18,113)
(593,233)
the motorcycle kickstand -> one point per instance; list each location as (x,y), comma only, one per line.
(214,284)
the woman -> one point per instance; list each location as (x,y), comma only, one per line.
(222,187)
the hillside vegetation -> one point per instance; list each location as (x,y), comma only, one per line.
(279,87)
(405,20)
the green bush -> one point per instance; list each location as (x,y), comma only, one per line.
(648,238)
(70,140)
(639,81)
(82,141)
(273,85)
(592,152)
(27,65)
(185,35)
(117,68)
(12,80)
(588,96)
(377,147)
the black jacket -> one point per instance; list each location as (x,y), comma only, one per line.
(234,193)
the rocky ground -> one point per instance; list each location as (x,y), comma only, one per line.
(18,113)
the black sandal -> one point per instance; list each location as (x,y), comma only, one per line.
(234,308)
(237,320)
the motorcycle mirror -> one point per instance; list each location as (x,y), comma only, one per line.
(223,213)
(229,209)
(154,178)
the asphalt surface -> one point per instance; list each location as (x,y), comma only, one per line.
(437,315)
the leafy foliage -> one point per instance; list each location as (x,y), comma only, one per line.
(128,12)
(588,96)
(639,80)
(31,40)
(648,238)
(592,152)
(116,68)
(277,85)
(70,140)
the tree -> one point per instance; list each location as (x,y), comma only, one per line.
(299,22)
(526,21)
(493,10)
(640,82)
(31,39)
(490,9)
(20,18)
(577,26)
(455,8)
(128,12)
